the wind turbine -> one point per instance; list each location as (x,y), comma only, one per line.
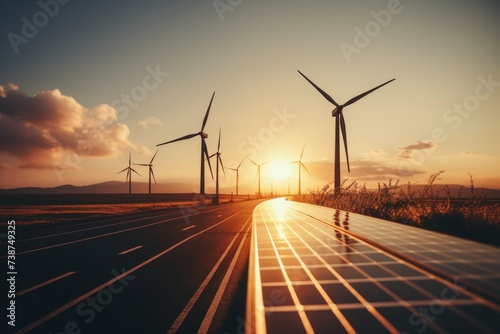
(290,178)
(237,174)
(204,149)
(258,170)
(218,159)
(129,174)
(150,165)
(340,125)
(301,164)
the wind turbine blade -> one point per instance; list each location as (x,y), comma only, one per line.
(344,136)
(122,170)
(133,170)
(128,174)
(360,96)
(222,165)
(212,155)
(301,154)
(325,95)
(206,114)
(205,151)
(179,139)
(305,168)
(140,164)
(231,168)
(153,173)
(154,156)
(252,161)
(262,164)
(129,161)
(240,164)
(218,143)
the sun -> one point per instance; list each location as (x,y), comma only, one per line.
(279,170)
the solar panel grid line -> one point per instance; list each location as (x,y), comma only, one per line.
(452,260)
(298,306)
(448,271)
(300,256)
(363,301)
(331,305)
(354,306)
(452,307)
(399,301)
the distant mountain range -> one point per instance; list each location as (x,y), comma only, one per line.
(110,187)
(117,187)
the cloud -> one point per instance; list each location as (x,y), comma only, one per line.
(51,130)
(407,152)
(4,166)
(151,120)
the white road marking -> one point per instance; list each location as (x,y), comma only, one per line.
(130,250)
(189,227)
(98,236)
(93,228)
(183,315)
(77,300)
(205,325)
(44,283)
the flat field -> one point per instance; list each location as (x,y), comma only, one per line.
(47,209)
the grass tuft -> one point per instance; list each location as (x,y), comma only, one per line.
(473,217)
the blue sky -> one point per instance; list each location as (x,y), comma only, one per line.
(96,80)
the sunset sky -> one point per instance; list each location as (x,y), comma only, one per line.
(82,83)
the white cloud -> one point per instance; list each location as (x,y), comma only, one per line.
(51,130)
(151,120)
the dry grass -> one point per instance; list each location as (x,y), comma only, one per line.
(474,217)
(47,209)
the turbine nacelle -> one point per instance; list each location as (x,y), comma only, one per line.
(203,134)
(337,110)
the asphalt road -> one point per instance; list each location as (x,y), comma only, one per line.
(180,270)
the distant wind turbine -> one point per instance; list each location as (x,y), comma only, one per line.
(129,170)
(218,159)
(237,170)
(204,149)
(290,178)
(258,170)
(150,165)
(301,164)
(340,125)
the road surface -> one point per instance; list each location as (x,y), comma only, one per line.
(179,270)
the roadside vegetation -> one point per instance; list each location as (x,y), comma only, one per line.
(464,213)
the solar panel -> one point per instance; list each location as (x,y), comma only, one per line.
(309,273)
